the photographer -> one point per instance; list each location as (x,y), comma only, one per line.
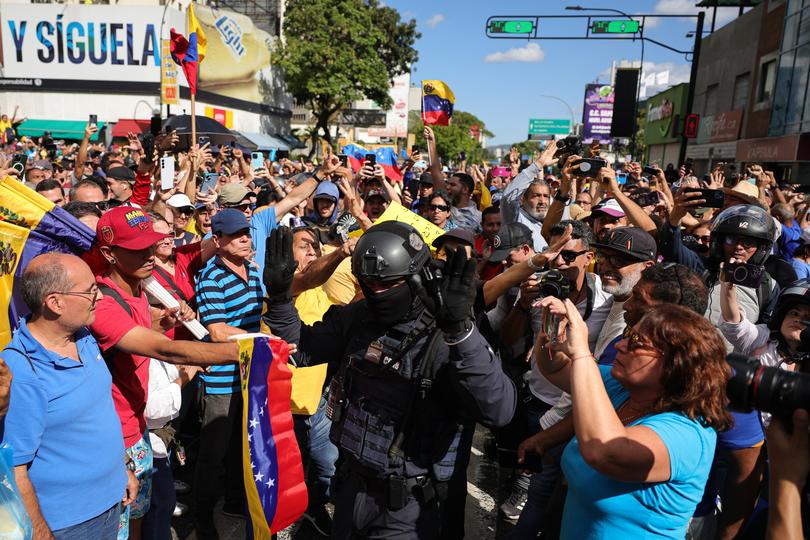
(645,432)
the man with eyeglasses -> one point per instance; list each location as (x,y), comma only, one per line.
(69,460)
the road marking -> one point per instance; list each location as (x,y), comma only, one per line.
(486,502)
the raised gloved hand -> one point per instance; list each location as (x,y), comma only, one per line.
(279,266)
(456,294)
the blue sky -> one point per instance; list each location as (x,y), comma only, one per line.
(501,81)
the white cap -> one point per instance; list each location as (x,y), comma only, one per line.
(179,200)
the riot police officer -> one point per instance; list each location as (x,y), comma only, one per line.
(409,371)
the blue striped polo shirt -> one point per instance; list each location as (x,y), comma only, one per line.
(224,297)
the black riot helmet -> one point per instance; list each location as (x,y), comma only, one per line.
(389,250)
(795,294)
(743,220)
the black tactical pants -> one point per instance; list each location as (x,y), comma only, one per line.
(361,511)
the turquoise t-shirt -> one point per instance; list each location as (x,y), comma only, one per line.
(598,506)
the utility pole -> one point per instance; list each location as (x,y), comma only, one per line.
(690,96)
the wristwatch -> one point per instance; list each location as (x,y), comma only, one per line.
(316,177)
(563,200)
(130,463)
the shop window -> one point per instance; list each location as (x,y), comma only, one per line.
(742,89)
(767,78)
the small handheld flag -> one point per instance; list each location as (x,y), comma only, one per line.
(437,103)
(188,53)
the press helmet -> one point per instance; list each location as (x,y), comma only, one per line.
(743,220)
(388,251)
(794,294)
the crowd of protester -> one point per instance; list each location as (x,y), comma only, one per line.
(610,297)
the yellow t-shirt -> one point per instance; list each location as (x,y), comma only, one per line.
(342,286)
(311,305)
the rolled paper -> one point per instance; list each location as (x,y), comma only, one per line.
(170,302)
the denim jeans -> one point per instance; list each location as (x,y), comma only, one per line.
(317,451)
(541,485)
(102,527)
(158,520)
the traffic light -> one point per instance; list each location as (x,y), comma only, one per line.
(690,126)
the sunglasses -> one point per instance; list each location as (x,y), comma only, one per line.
(705,238)
(616,261)
(440,207)
(102,206)
(745,241)
(241,207)
(636,341)
(570,256)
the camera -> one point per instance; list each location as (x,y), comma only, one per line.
(569,146)
(588,166)
(148,143)
(553,283)
(768,389)
(747,275)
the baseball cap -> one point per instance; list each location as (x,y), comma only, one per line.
(463,235)
(426,178)
(376,193)
(609,207)
(233,193)
(501,171)
(42,164)
(127,227)
(509,237)
(229,221)
(179,200)
(121,173)
(631,241)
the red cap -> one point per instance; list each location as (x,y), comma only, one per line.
(127,227)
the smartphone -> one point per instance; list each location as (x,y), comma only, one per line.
(256,160)
(282,154)
(344,160)
(371,159)
(688,164)
(462,156)
(414,149)
(621,178)
(747,275)
(650,170)
(202,139)
(209,182)
(714,197)
(167,172)
(18,162)
(647,199)
(588,166)
(154,125)
(93,119)
(271,155)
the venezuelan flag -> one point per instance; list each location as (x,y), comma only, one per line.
(386,156)
(30,225)
(188,53)
(437,103)
(271,461)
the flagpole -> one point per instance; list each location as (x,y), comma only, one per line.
(193,120)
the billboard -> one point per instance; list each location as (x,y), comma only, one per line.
(662,111)
(396,118)
(597,113)
(112,48)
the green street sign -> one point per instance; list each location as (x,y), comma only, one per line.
(615,27)
(545,126)
(511,27)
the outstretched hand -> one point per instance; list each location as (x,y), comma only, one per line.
(456,293)
(279,266)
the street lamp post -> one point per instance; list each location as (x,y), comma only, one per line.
(570,110)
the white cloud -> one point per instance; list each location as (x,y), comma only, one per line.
(530,53)
(687,7)
(434,20)
(678,73)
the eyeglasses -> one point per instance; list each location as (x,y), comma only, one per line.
(745,241)
(636,341)
(102,206)
(93,294)
(439,207)
(705,239)
(570,256)
(241,207)
(616,261)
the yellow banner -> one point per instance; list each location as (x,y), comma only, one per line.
(12,241)
(168,75)
(397,212)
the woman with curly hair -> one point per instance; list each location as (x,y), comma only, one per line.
(645,428)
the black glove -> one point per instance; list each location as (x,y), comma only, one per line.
(456,294)
(279,266)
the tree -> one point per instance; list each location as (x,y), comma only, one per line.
(453,139)
(528,148)
(339,51)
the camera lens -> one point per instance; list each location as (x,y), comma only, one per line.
(740,274)
(585,166)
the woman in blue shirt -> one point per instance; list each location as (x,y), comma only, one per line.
(645,427)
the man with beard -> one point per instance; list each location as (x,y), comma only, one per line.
(527,198)
(465,213)
(412,377)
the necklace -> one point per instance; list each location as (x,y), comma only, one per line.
(635,415)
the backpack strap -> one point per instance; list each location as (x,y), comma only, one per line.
(766,298)
(590,285)
(168,278)
(106,290)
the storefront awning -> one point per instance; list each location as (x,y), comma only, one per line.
(265,142)
(291,141)
(60,129)
(126,125)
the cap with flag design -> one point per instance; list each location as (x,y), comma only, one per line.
(128,228)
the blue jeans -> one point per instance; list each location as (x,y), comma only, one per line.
(317,451)
(158,520)
(102,527)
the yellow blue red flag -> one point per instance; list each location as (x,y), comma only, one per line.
(30,225)
(437,103)
(188,53)
(271,461)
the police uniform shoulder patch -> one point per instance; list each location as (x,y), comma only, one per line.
(415,241)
